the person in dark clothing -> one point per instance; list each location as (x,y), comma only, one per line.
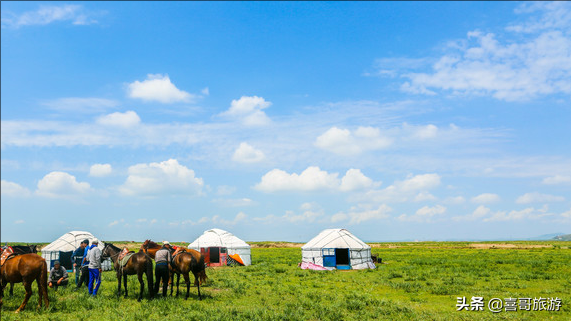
(84,278)
(76,259)
(163,259)
(58,276)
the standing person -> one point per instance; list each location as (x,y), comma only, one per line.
(58,276)
(94,258)
(84,278)
(163,259)
(77,258)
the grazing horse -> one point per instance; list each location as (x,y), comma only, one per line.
(139,264)
(25,268)
(185,261)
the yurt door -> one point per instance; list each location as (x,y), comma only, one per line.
(328,257)
(214,254)
(342,259)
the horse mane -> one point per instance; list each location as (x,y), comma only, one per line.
(113,246)
(151,244)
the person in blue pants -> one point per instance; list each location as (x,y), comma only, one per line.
(94,258)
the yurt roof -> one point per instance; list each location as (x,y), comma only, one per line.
(70,241)
(335,238)
(218,238)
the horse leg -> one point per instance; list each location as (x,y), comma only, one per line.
(2,286)
(197,282)
(125,284)
(118,284)
(140,277)
(40,292)
(187,282)
(28,287)
(11,289)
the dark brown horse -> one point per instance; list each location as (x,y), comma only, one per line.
(151,248)
(139,264)
(185,261)
(25,268)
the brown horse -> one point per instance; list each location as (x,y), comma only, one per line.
(185,261)
(21,249)
(139,264)
(25,268)
(151,248)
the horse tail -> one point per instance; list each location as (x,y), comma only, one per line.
(43,286)
(202,270)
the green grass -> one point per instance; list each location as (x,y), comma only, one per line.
(420,281)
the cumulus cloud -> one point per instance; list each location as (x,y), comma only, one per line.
(248,109)
(506,66)
(61,184)
(159,88)
(536,197)
(557,179)
(480,212)
(424,214)
(125,120)
(13,189)
(420,132)
(455,200)
(100,170)
(347,143)
(313,179)
(401,191)
(245,153)
(48,14)
(486,198)
(167,177)
(424,196)
(216,220)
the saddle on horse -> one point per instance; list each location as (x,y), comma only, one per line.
(124,257)
(7,254)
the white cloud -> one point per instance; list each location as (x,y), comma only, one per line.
(167,177)
(455,200)
(343,142)
(19,222)
(225,190)
(100,170)
(480,212)
(83,105)
(401,191)
(158,88)
(505,66)
(567,214)
(61,184)
(486,198)
(528,213)
(116,222)
(354,179)
(313,179)
(424,196)
(248,109)
(557,179)
(362,213)
(48,14)
(536,197)
(424,214)
(421,132)
(245,153)
(13,189)
(310,179)
(205,91)
(216,220)
(124,120)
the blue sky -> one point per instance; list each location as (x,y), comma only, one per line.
(397,121)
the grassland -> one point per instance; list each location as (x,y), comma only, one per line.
(417,281)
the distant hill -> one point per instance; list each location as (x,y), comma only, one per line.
(566,237)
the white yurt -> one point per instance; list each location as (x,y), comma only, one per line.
(336,249)
(218,245)
(62,249)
